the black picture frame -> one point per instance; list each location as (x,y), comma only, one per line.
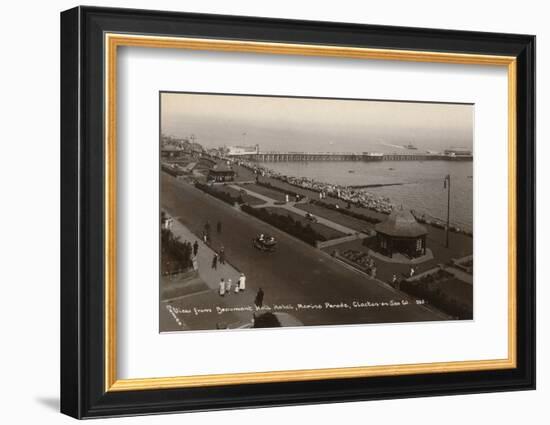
(83,392)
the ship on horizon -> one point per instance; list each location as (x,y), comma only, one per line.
(410,147)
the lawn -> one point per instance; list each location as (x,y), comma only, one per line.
(270,193)
(327,232)
(315,195)
(249,199)
(457,289)
(337,217)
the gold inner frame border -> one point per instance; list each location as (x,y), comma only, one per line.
(113,40)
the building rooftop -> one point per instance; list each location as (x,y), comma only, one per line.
(401,223)
(171,148)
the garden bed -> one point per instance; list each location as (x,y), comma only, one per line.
(287,224)
(326,231)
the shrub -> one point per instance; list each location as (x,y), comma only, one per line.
(226,197)
(267,320)
(437,298)
(180,253)
(286,224)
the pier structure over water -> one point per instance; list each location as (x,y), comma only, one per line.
(349,156)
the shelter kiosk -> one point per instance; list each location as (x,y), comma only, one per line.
(401,234)
(221,173)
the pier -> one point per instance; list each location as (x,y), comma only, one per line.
(348,156)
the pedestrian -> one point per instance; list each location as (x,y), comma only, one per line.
(373,272)
(222,287)
(207,233)
(195,264)
(242,282)
(259,300)
(228,286)
(411,272)
(394,280)
(222,255)
(286,198)
(237,287)
(195,248)
(215,261)
(219,227)
(205,238)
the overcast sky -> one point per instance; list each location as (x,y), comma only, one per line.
(317,125)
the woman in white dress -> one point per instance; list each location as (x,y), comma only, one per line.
(222,287)
(242,282)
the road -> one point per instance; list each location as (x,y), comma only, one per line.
(296,273)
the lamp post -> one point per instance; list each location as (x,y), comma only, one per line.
(447,184)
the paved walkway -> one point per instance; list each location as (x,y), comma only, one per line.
(290,206)
(209,297)
(341,240)
(204,258)
(401,259)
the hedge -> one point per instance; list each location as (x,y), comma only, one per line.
(224,196)
(286,224)
(437,298)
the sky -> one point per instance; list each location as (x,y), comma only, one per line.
(315,125)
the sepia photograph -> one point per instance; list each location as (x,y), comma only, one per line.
(283,211)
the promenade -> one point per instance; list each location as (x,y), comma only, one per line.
(295,273)
(208,294)
(291,206)
(460,244)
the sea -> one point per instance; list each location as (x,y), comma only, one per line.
(416,185)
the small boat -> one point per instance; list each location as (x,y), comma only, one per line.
(351,171)
(391,169)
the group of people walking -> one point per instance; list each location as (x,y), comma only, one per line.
(227,286)
(396,280)
(219,257)
(207,228)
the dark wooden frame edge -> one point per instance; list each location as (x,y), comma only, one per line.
(82,202)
